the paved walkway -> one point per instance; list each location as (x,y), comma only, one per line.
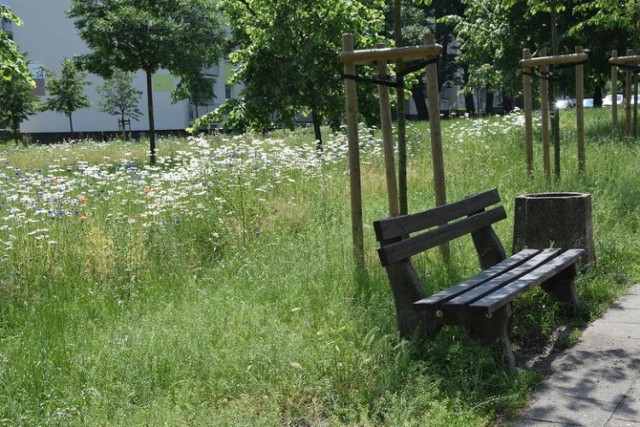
(595,383)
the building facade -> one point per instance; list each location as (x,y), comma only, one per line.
(48,36)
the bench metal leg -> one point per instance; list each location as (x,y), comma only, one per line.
(562,286)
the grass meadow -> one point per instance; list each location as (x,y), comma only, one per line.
(217,288)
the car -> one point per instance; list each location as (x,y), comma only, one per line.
(562,104)
(607,101)
(587,103)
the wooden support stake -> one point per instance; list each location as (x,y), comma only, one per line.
(614,94)
(528,110)
(544,95)
(387,140)
(627,100)
(354,156)
(582,161)
(433,99)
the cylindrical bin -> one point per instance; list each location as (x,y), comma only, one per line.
(559,220)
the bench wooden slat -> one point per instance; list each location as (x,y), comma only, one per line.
(508,293)
(406,248)
(486,275)
(492,286)
(392,228)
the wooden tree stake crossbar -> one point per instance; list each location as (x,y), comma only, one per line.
(380,57)
(628,63)
(390,54)
(575,58)
(622,60)
(386,80)
(527,62)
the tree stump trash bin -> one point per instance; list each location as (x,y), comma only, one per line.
(561,220)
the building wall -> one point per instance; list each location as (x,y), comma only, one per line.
(48,37)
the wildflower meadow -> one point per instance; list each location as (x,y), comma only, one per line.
(217,286)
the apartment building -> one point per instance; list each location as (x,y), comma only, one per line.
(48,37)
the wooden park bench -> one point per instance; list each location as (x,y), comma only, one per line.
(481,304)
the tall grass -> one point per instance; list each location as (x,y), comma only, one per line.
(217,288)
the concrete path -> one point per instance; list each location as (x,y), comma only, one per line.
(595,383)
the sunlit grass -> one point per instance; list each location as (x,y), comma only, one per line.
(217,287)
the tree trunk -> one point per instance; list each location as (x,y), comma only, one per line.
(470,105)
(417,91)
(597,95)
(152,130)
(489,106)
(402,119)
(124,130)
(555,123)
(16,131)
(315,119)
(70,124)
(507,103)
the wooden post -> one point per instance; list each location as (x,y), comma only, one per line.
(528,107)
(580,114)
(627,100)
(635,104)
(543,62)
(614,96)
(354,155)
(544,95)
(387,140)
(402,118)
(433,100)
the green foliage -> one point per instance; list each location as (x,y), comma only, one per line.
(231,115)
(493,34)
(619,16)
(181,36)
(66,93)
(195,88)
(118,96)
(12,63)
(287,55)
(486,35)
(546,6)
(17,103)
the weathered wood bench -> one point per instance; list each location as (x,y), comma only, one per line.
(481,304)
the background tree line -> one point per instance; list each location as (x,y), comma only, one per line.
(285,52)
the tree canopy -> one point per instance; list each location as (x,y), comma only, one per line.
(118,97)
(286,55)
(130,35)
(17,103)
(66,93)
(12,62)
(491,36)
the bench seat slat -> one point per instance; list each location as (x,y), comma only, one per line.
(486,275)
(504,280)
(406,248)
(500,298)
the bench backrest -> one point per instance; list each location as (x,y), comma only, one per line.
(439,225)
